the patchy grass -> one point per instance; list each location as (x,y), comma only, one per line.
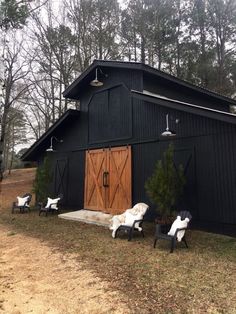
(201,279)
(11,233)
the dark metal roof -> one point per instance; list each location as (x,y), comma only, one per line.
(73,91)
(184,106)
(44,140)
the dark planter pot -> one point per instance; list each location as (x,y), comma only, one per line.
(165,224)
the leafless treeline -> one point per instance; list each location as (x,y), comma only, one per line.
(192,39)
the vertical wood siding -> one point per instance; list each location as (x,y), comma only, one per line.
(211,176)
(225,174)
(76,179)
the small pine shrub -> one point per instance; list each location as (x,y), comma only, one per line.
(166,184)
(42,180)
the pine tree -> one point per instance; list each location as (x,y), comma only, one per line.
(42,179)
(13,13)
(166,184)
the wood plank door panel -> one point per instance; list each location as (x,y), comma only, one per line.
(186,157)
(61,178)
(96,164)
(120,189)
(108,180)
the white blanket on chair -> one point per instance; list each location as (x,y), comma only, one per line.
(22,200)
(128,217)
(178,224)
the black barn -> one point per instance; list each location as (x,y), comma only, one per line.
(111,144)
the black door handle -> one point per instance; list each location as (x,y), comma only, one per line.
(105,179)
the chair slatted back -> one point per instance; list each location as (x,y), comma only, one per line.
(185,214)
(29,197)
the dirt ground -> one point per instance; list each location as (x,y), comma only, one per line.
(19,182)
(36,279)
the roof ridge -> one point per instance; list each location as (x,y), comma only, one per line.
(146,68)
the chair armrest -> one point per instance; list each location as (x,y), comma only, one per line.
(138,220)
(50,206)
(179,229)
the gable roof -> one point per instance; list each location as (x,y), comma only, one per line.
(185,106)
(74,90)
(44,141)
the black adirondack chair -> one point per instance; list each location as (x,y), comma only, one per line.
(132,225)
(131,229)
(25,206)
(173,239)
(50,208)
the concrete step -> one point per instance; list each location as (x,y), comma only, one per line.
(89,216)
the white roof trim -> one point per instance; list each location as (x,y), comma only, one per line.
(145,92)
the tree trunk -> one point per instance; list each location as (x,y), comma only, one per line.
(142,49)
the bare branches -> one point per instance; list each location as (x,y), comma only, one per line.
(194,40)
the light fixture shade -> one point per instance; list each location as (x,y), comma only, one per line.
(96,83)
(50,149)
(168,133)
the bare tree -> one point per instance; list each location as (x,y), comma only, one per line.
(223,30)
(14,88)
(53,66)
(16,133)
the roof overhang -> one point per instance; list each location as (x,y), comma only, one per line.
(43,142)
(184,106)
(74,90)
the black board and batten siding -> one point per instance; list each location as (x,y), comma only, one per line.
(112,116)
(207,151)
(202,145)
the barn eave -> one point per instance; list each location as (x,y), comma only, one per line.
(44,141)
(74,90)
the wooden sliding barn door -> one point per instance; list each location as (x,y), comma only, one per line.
(96,165)
(61,178)
(120,189)
(108,180)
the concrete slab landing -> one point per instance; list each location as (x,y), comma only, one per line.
(88,216)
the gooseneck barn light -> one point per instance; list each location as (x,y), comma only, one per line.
(96,82)
(167,132)
(50,149)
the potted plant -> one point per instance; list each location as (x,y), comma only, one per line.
(165,186)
